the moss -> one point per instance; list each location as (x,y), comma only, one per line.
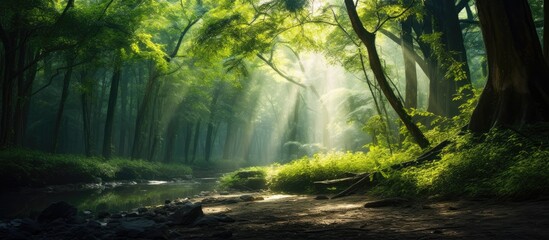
(254,178)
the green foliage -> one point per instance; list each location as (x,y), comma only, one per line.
(501,164)
(24,168)
(300,175)
(252,178)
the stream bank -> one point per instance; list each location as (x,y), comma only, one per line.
(274,216)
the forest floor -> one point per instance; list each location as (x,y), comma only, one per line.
(304,217)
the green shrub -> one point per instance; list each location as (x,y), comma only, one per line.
(252,178)
(300,175)
(501,164)
(26,168)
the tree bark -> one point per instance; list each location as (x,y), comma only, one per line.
(109,122)
(188,139)
(409,64)
(124,113)
(61,108)
(517,89)
(368,39)
(195,141)
(211,124)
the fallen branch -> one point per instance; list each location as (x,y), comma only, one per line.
(430,155)
(341,180)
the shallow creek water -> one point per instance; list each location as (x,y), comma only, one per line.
(110,197)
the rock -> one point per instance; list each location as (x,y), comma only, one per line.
(225,219)
(187,214)
(132,215)
(26,225)
(101,215)
(206,221)
(57,210)
(167,201)
(321,197)
(386,202)
(87,212)
(212,220)
(139,225)
(205,193)
(230,201)
(116,215)
(142,210)
(209,200)
(93,224)
(249,198)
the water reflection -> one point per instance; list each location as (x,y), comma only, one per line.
(121,198)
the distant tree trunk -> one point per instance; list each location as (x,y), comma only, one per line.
(441,16)
(171,135)
(409,64)
(453,42)
(24,91)
(293,147)
(153,138)
(61,108)
(109,122)
(211,125)
(86,123)
(8,84)
(137,148)
(517,90)
(188,139)
(368,39)
(195,141)
(123,118)
(229,140)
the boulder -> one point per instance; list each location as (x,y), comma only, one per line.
(187,214)
(57,210)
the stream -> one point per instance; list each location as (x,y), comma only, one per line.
(109,197)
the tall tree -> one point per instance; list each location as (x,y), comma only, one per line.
(369,38)
(517,89)
(109,121)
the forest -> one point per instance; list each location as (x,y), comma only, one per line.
(144,119)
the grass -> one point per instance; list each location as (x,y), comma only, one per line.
(501,164)
(26,168)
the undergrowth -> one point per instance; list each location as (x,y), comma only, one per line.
(27,168)
(500,164)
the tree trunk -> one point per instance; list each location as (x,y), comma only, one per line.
(195,141)
(86,123)
(517,89)
(188,139)
(171,135)
(368,39)
(124,113)
(109,122)
(142,112)
(409,64)
(230,139)
(8,84)
(24,90)
(61,108)
(211,125)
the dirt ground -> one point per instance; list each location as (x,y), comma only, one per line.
(304,217)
